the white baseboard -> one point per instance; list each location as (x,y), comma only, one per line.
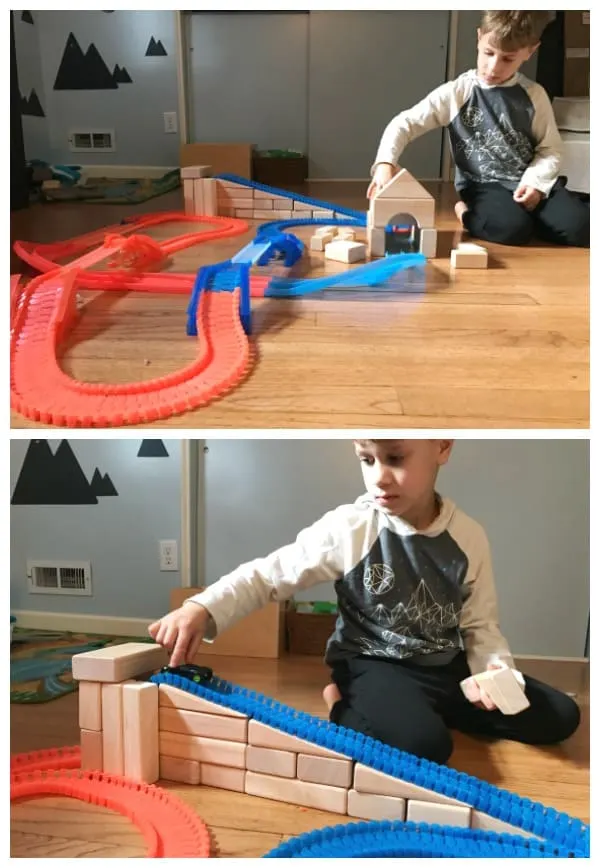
(111,625)
(554,659)
(125,171)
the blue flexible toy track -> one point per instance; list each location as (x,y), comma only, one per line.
(563,836)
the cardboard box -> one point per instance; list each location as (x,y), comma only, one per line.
(261,634)
(577,30)
(576,80)
(228,157)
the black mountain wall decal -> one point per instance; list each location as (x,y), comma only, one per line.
(47,479)
(102,486)
(155,49)
(27,17)
(32,106)
(121,76)
(79,71)
(152,449)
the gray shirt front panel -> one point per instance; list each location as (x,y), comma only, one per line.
(403,599)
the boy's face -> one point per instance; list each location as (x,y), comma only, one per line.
(400,475)
(495,66)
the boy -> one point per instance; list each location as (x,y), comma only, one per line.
(504,141)
(417,610)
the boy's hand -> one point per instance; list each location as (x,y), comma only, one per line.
(476,694)
(384,172)
(528,197)
(181,632)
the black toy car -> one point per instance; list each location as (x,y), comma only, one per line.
(198,674)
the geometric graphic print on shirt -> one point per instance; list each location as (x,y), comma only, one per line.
(491,136)
(403,599)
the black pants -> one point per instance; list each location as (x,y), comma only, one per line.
(413,707)
(493,215)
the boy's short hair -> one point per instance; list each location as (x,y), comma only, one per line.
(511,31)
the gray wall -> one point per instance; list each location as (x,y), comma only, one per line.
(134,111)
(119,535)
(531,496)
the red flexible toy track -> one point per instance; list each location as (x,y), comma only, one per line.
(170,828)
(43,311)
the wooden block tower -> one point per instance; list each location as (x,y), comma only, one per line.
(405,209)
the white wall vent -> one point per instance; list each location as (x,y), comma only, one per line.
(92,140)
(60,577)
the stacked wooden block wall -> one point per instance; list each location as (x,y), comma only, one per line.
(150,732)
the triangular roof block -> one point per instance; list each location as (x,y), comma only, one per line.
(403,186)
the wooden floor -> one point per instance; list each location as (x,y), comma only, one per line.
(505,347)
(246,826)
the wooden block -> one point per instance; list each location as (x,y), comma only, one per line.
(183,771)
(195,172)
(302,206)
(263,214)
(345,251)
(264,196)
(318,242)
(173,697)
(231,188)
(199,723)
(383,212)
(403,186)
(223,777)
(297,792)
(376,241)
(261,634)
(198,196)
(368,780)
(479,820)
(280,763)
(469,256)
(324,770)
(443,815)
(118,662)
(428,243)
(323,215)
(214,751)
(504,690)
(112,728)
(234,203)
(286,204)
(209,194)
(244,214)
(326,230)
(368,806)
(225,158)
(91,750)
(188,196)
(140,732)
(90,705)
(346,233)
(266,736)
(278,214)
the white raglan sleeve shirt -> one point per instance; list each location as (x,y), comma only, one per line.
(483,640)
(315,557)
(542,173)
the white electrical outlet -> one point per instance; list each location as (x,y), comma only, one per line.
(170,119)
(168,555)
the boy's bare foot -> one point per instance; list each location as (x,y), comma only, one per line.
(460,209)
(331,695)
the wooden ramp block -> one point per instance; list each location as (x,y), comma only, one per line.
(279,763)
(118,662)
(503,688)
(368,780)
(368,806)
(90,705)
(479,820)
(173,697)
(214,751)
(140,731)
(266,736)
(199,723)
(112,728)
(91,750)
(443,815)
(324,770)
(222,777)
(297,792)
(182,771)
